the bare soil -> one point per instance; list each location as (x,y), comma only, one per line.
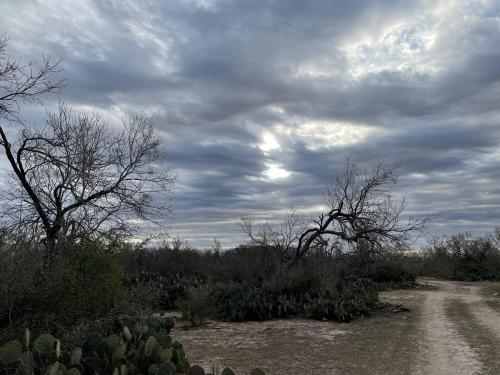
(451,329)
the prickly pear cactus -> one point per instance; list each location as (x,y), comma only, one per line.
(112,342)
(151,346)
(196,370)
(44,344)
(10,353)
(145,350)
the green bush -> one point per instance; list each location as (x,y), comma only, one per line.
(391,275)
(161,291)
(352,299)
(198,305)
(356,297)
(87,280)
(240,302)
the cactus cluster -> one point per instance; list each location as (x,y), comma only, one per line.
(240,302)
(245,301)
(170,288)
(43,355)
(147,348)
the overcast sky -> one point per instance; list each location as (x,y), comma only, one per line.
(259,102)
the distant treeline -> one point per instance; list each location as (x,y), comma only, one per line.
(459,257)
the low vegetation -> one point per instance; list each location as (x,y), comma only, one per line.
(251,283)
(459,257)
(121,348)
(94,312)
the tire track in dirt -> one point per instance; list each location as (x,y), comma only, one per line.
(481,337)
(472,294)
(444,351)
(487,317)
(435,338)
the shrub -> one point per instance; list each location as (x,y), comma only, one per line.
(390,275)
(87,281)
(19,265)
(353,298)
(239,302)
(198,305)
(463,257)
(144,295)
(356,297)
(161,291)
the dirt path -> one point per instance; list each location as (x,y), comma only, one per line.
(443,350)
(450,330)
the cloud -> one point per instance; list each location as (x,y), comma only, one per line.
(258,103)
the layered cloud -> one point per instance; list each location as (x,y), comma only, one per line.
(258,103)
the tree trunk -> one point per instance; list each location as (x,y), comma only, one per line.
(50,251)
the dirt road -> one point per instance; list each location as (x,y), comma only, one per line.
(449,330)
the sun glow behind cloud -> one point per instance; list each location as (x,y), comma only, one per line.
(326,134)
(275,171)
(269,142)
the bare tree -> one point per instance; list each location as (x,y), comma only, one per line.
(361,212)
(362,215)
(78,178)
(281,237)
(74,177)
(476,251)
(216,247)
(23,83)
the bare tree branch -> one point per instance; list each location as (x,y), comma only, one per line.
(77,178)
(24,82)
(362,210)
(282,237)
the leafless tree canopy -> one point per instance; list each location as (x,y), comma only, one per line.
(74,176)
(361,212)
(84,179)
(282,237)
(24,82)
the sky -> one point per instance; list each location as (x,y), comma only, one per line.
(258,103)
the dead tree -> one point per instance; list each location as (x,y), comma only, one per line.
(77,178)
(281,237)
(361,211)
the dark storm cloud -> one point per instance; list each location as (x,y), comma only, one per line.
(259,103)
